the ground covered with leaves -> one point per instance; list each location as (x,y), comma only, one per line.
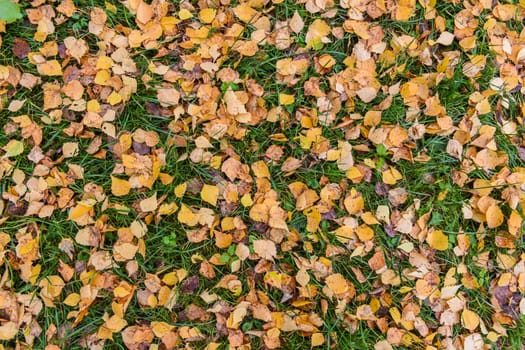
(236,174)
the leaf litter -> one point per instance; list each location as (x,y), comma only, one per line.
(279,144)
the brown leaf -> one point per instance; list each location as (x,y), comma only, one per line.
(190,284)
(21,48)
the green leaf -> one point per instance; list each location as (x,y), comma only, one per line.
(225,258)
(13,148)
(10,11)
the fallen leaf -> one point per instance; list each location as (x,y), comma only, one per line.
(119,187)
(8,330)
(469,319)
(149,204)
(494,216)
(317,34)
(210,194)
(317,339)
(49,68)
(76,48)
(266,249)
(13,148)
(296,23)
(438,240)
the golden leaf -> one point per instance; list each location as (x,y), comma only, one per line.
(119,187)
(207,15)
(210,194)
(317,339)
(49,68)
(285,99)
(469,319)
(317,34)
(494,216)
(438,240)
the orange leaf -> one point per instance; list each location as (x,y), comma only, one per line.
(494,216)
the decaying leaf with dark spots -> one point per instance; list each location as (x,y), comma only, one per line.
(190,284)
(21,48)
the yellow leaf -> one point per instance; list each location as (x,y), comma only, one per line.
(428,4)
(168,208)
(185,14)
(396,314)
(186,216)
(469,319)
(35,272)
(317,339)
(115,323)
(364,232)
(170,278)
(246,200)
(93,106)
(78,211)
(160,329)
(102,77)
(494,216)
(110,7)
(354,202)
(483,107)
(437,240)
(207,15)
(442,66)
(259,212)
(52,286)
(210,194)
(114,98)
(180,190)
(104,62)
(260,169)
(403,13)
(72,299)
(317,32)
(120,292)
(337,283)
(50,68)
(285,99)
(391,176)
(119,187)
(244,12)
